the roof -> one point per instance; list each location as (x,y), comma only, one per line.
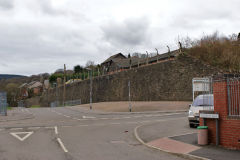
(114,57)
(23,85)
(34,84)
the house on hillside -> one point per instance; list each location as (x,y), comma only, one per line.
(33,88)
(36,87)
(110,64)
(119,62)
(23,91)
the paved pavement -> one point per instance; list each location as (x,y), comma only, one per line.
(157,135)
(75,133)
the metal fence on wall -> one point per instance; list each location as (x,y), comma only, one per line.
(54,104)
(233,88)
(21,104)
(72,102)
(3,103)
(67,103)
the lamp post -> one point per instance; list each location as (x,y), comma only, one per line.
(129,96)
(89,69)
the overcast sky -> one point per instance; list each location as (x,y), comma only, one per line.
(38,36)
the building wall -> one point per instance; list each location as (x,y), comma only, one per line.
(167,81)
(229,127)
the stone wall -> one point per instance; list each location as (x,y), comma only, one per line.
(168,80)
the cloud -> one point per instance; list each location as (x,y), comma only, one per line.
(6,4)
(41,35)
(130,32)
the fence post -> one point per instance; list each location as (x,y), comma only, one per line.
(229,97)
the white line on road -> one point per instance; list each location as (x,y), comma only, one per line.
(83,125)
(115,123)
(13,129)
(85,117)
(49,127)
(27,134)
(131,122)
(66,116)
(62,145)
(56,130)
(33,128)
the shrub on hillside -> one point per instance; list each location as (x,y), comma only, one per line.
(219,51)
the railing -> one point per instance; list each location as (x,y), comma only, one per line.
(233,88)
(67,103)
(72,102)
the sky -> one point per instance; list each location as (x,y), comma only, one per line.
(38,36)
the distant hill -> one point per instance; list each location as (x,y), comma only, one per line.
(9,76)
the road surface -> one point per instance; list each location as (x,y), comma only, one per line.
(75,133)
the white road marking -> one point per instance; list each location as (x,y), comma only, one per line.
(85,117)
(144,121)
(83,125)
(56,130)
(49,127)
(115,123)
(137,116)
(104,118)
(66,116)
(16,135)
(131,122)
(126,117)
(13,129)
(62,145)
(34,128)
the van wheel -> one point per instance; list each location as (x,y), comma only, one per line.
(191,125)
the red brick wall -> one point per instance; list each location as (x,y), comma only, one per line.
(229,127)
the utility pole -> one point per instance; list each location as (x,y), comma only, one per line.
(147,56)
(157,54)
(64,85)
(129,96)
(89,69)
(91,90)
(168,51)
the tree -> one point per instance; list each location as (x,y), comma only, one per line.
(78,69)
(90,64)
(11,90)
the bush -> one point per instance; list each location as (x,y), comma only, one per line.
(219,51)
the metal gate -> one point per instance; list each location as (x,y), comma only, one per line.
(202,86)
(233,88)
(3,103)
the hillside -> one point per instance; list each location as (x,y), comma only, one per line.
(9,76)
(219,51)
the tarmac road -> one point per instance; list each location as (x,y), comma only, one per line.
(74,133)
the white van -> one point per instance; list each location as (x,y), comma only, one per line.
(201,102)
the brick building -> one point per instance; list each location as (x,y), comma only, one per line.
(226,92)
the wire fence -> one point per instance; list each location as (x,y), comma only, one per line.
(67,103)
(3,103)
(72,102)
